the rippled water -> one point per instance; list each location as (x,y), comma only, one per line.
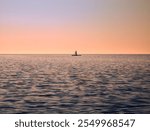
(66,84)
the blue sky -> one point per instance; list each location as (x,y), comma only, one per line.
(45,11)
(65,11)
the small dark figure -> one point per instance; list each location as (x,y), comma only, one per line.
(76,54)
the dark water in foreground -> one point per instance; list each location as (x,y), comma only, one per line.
(66,84)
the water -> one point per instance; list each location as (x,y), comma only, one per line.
(66,84)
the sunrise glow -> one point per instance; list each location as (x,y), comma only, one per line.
(62,26)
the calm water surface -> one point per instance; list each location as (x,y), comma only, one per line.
(66,84)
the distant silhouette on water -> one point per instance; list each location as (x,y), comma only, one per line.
(76,54)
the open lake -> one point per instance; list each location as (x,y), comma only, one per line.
(80,84)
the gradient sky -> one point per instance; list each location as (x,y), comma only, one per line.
(62,26)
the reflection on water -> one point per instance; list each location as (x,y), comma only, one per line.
(66,84)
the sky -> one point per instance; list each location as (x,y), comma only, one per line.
(63,26)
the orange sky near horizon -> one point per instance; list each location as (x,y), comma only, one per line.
(36,40)
(91,36)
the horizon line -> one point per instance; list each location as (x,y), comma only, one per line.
(80,53)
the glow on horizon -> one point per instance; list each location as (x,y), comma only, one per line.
(63,26)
